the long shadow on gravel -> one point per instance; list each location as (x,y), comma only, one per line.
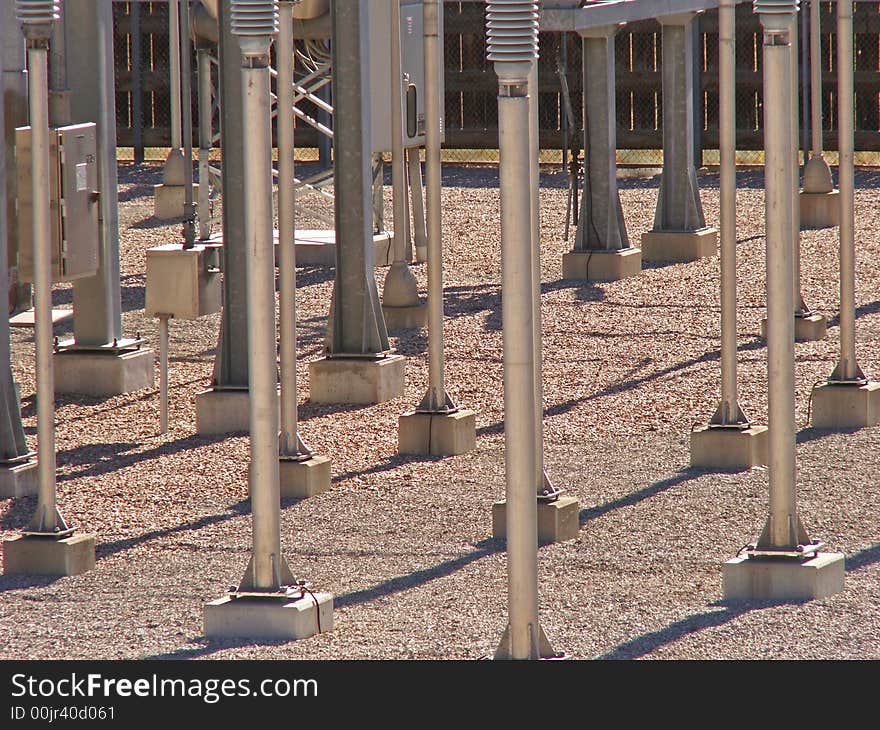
(17,582)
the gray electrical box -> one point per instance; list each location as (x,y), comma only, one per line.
(73,186)
(412,51)
(183,283)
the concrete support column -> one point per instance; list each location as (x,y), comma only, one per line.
(602,250)
(359,366)
(99,360)
(680,232)
(784,563)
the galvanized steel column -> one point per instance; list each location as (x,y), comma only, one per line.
(206,138)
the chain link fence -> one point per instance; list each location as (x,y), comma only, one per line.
(471,134)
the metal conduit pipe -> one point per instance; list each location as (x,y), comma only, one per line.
(512,30)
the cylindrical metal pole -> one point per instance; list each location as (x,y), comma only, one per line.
(174,72)
(46,516)
(163,373)
(780,285)
(816,77)
(137,84)
(847,369)
(418,205)
(800,307)
(436,399)
(205,142)
(185,71)
(729,412)
(290,444)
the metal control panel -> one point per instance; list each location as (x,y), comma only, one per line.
(73,184)
(412,51)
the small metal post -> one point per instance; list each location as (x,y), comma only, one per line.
(206,142)
(783,531)
(255,25)
(137,84)
(512,46)
(163,373)
(847,370)
(174,72)
(419,227)
(436,400)
(37,19)
(728,413)
(291,445)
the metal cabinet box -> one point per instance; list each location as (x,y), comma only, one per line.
(183,283)
(412,51)
(73,186)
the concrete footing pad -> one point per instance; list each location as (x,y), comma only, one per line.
(820,210)
(846,406)
(168,200)
(679,245)
(729,448)
(103,374)
(27,555)
(404,318)
(439,434)
(266,618)
(806,329)
(318,248)
(770,579)
(219,410)
(602,265)
(303,479)
(356,380)
(19,480)
(557,521)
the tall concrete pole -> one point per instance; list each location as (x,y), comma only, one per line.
(37,18)
(783,530)
(847,370)
(512,46)
(255,25)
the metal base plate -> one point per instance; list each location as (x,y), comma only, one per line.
(799,552)
(125,344)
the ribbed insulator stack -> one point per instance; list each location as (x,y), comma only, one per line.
(36,16)
(512,37)
(775,14)
(255,22)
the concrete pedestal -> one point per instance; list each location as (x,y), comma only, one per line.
(26,555)
(729,448)
(820,210)
(403,318)
(846,406)
(265,618)
(439,434)
(763,579)
(222,411)
(679,246)
(602,265)
(303,479)
(168,200)
(557,521)
(318,248)
(19,480)
(356,380)
(102,374)
(26,318)
(806,329)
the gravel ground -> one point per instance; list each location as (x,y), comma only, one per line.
(404,543)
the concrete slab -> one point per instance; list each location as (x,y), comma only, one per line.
(256,618)
(806,329)
(845,406)
(729,448)
(820,210)
(19,480)
(102,374)
(168,200)
(679,246)
(356,380)
(224,411)
(557,521)
(602,265)
(303,479)
(771,579)
(26,555)
(438,434)
(403,318)
(26,318)
(318,248)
